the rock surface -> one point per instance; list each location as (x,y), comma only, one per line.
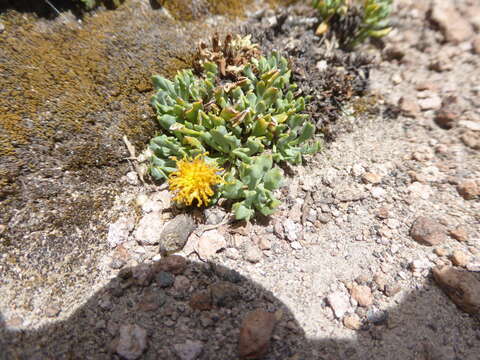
(461,286)
(255,334)
(427,231)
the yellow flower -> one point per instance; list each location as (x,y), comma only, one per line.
(194,180)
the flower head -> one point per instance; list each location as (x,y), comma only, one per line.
(194,180)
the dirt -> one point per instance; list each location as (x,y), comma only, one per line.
(346,214)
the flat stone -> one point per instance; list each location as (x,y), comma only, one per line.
(339,302)
(430,103)
(427,231)
(149,228)
(175,234)
(132,342)
(462,287)
(209,244)
(255,334)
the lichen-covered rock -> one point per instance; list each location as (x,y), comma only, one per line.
(175,234)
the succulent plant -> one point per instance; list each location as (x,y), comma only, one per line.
(354,21)
(246,126)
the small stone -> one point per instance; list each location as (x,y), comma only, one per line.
(232,253)
(214,215)
(175,234)
(451,23)
(459,258)
(119,258)
(164,279)
(447,116)
(358,170)
(339,303)
(291,229)
(383,212)
(264,243)
(182,283)
(253,254)
(471,139)
(371,178)
(362,294)
(156,202)
(52,311)
(142,274)
(378,192)
(469,189)
(427,231)
(419,265)
(430,103)
(377,317)
(381,281)
(132,342)
(440,251)
(149,229)
(255,334)
(189,350)
(224,294)
(151,301)
(201,300)
(362,279)
(462,287)
(174,264)
(392,290)
(459,233)
(295,245)
(409,106)
(119,231)
(209,244)
(352,321)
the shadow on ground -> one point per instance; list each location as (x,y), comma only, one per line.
(415,329)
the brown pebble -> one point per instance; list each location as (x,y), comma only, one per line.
(427,231)
(201,300)
(352,321)
(255,334)
(459,233)
(441,251)
(459,258)
(469,189)
(362,294)
(371,178)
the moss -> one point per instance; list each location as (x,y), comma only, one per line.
(188,10)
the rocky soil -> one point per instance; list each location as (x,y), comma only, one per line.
(374,253)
